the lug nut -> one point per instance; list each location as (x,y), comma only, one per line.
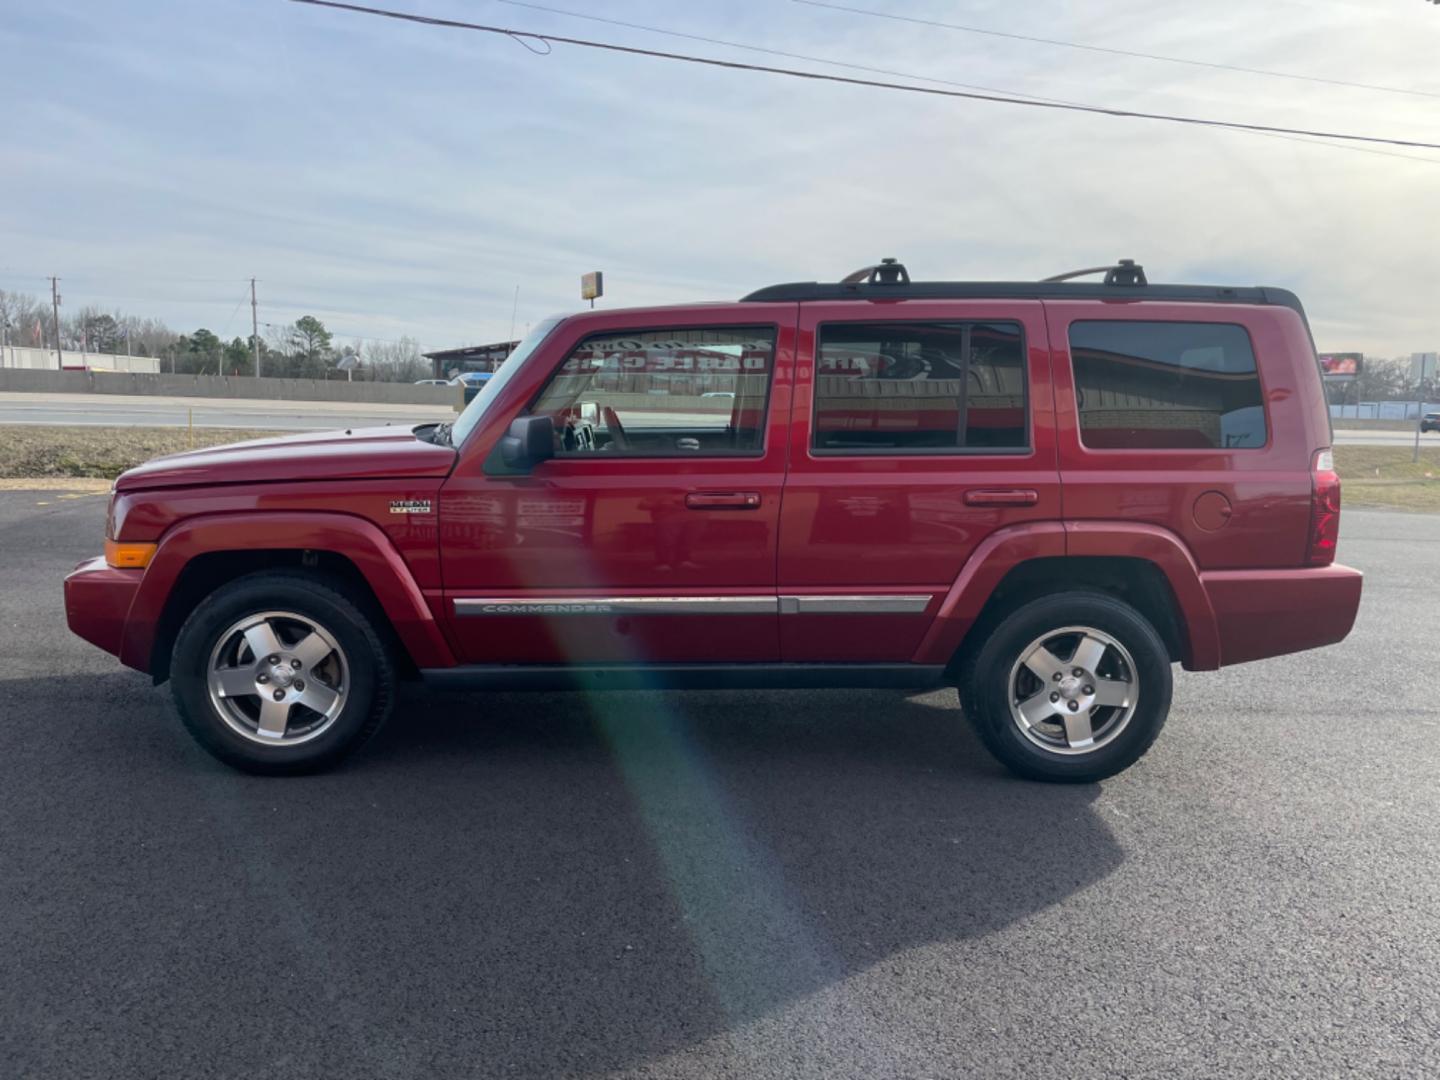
(273,658)
(1077,672)
(299,685)
(1087,690)
(280,695)
(295,664)
(1074,706)
(1059,675)
(1054,697)
(262,678)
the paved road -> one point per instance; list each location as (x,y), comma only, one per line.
(1359,437)
(726,885)
(147,411)
(122,410)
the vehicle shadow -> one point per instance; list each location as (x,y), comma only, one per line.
(559,884)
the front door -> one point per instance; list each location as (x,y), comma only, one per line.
(651,536)
(919,429)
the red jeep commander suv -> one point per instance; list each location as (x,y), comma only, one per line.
(1042,493)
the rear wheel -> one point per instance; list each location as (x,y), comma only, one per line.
(278,672)
(1072,687)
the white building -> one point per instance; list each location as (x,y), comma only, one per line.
(20,356)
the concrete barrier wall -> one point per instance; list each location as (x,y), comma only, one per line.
(1382,410)
(221,386)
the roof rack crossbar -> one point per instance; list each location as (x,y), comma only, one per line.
(885,272)
(1125,272)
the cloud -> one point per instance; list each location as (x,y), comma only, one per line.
(404,179)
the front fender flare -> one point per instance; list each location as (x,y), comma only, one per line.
(355,538)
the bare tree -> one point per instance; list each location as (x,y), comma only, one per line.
(28,326)
(395,361)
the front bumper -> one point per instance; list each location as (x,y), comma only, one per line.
(97,602)
(1263,613)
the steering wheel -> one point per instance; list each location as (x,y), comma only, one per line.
(615,428)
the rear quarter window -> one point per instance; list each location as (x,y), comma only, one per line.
(1151,385)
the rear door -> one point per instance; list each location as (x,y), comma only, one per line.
(919,429)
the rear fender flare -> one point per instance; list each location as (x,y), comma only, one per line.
(1007,548)
(355,538)
(983,571)
(1162,548)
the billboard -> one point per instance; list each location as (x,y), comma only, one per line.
(1341,366)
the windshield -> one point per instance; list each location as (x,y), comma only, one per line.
(491,390)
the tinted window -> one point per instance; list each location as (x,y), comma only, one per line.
(663,393)
(911,387)
(1166,386)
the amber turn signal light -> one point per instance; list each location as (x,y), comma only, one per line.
(128,556)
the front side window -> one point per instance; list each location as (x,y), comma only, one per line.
(1166,386)
(908,387)
(663,393)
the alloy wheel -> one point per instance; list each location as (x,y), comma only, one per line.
(278,678)
(1073,690)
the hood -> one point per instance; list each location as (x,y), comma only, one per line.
(380,453)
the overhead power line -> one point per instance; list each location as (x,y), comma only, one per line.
(748,47)
(735,65)
(1134,54)
(829,62)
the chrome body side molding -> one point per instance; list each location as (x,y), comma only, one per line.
(900,604)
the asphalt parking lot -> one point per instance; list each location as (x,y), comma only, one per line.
(726,884)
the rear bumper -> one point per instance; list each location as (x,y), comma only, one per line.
(1263,613)
(97,602)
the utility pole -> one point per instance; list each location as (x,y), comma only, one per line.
(254,328)
(1420,393)
(55,304)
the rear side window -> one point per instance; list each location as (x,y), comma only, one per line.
(911,387)
(1166,386)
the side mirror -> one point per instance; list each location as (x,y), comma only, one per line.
(530,440)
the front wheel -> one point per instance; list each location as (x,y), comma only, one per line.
(1072,687)
(278,672)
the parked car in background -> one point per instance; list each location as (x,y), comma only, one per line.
(1430,421)
(1043,494)
(432,382)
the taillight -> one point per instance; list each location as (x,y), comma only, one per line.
(1324,510)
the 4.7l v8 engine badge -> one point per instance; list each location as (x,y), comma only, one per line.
(410,506)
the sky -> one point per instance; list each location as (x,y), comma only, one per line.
(401,180)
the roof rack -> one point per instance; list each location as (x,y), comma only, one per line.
(890,280)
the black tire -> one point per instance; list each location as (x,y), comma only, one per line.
(985,687)
(370,671)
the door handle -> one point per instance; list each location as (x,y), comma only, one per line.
(1002,497)
(723,500)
